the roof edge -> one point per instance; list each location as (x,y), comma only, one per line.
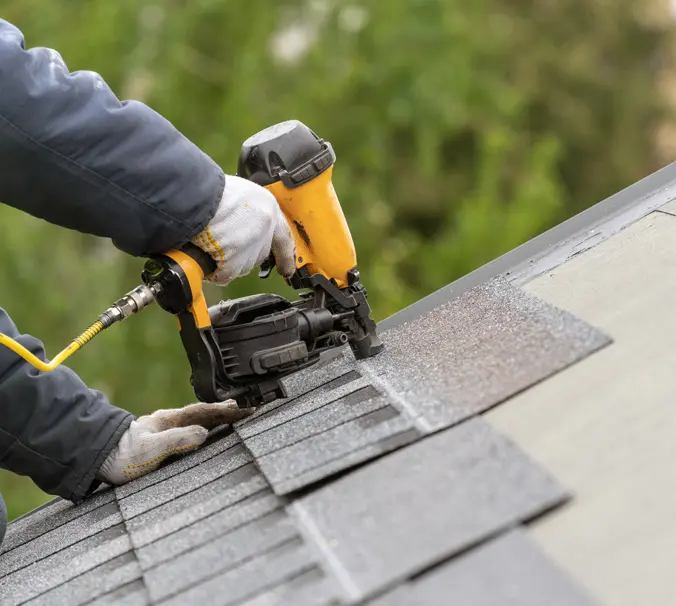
(558,244)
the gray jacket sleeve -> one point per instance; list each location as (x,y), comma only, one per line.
(73,154)
(52,427)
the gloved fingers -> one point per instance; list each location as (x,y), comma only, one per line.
(284,246)
(178,439)
(145,452)
(221,277)
(248,224)
(214,414)
(206,415)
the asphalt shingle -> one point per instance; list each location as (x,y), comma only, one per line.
(253,577)
(62,536)
(327,452)
(298,407)
(63,566)
(93,584)
(131,594)
(349,461)
(440,496)
(453,363)
(226,525)
(50,516)
(182,483)
(180,465)
(468,355)
(196,505)
(507,570)
(221,553)
(324,377)
(208,529)
(312,588)
(337,412)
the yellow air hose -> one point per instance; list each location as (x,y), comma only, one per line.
(78,342)
(133,302)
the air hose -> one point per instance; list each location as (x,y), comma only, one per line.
(133,302)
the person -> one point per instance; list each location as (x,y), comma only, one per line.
(72,154)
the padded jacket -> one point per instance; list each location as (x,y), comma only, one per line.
(72,154)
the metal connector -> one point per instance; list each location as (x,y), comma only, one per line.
(133,302)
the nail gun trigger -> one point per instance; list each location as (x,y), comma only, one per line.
(267,266)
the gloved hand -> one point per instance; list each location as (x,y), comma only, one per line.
(247,225)
(152,438)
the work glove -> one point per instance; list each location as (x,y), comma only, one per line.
(248,224)
(150,439)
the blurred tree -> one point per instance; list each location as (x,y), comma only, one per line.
(462,129)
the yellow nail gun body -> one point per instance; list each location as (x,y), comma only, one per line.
(242,348)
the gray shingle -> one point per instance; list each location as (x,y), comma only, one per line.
(251,578)
(317,456)
(208,529)
(52,515)
(298,407)
(436,371)
(326,416)
(220,554)
(180,465)
(347,462)
(321,378)
(132,594)
(311,588)
(507,570)
(50,572)
(669,208)
(472,353)
(182,483)
(196,505)
(421,504)
(97,582)
(62,536)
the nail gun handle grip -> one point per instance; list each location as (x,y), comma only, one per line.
(203,258)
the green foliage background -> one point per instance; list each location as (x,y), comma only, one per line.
(462,129)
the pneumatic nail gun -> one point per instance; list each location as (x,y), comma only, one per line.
(241,348)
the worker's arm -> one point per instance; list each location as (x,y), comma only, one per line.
(52,427)
(73,154)
(68,438)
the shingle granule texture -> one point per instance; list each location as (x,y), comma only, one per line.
(453,363)
(442,494)
(506,570)
(373,482)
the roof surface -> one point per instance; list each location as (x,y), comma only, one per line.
(605,427)
(381,481)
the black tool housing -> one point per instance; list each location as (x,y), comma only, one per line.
(288,151)
(263,338)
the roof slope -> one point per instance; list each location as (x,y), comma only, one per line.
(377,481)
(259,516)
(605,427)
(437,370)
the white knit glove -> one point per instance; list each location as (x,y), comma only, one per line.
(152,438)
(248,224)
